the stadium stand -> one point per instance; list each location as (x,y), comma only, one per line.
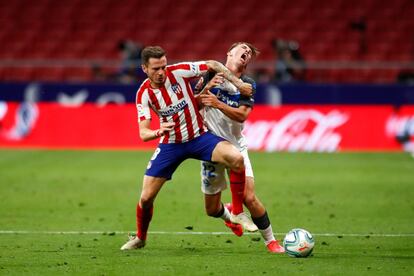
(340,30)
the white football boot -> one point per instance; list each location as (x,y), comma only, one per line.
(133,243)
(244,221)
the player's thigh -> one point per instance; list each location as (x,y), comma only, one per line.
(213,177)
(227,154)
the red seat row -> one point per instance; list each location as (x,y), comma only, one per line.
(188,29)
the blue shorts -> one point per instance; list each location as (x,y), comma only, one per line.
(167,157)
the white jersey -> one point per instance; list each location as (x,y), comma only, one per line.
(220,124)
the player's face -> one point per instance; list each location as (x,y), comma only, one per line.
(155,70)
(240,55)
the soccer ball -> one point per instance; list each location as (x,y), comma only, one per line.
(298,243)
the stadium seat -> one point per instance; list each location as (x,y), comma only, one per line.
(18,74)
(76,29)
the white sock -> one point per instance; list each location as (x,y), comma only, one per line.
(226,214)
(267,234)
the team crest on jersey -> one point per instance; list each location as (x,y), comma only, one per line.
(176,88)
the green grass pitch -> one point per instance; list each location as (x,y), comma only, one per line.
(359,206)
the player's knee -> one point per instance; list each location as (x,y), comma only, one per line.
(146,202)
(237,163)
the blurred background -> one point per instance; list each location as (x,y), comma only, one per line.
(357,55)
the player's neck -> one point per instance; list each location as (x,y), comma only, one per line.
(155,85)
(236,70)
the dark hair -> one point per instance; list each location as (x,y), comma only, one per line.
(255,51)
(151,52)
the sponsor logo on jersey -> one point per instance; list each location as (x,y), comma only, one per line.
(173,109)
(231,100)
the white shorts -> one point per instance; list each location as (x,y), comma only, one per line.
(213,175)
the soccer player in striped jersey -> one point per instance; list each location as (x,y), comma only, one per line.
(167,91)
(225,110)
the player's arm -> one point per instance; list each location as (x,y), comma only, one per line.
(148,134)
(238,114)
(244,88)
(216,80)
(144,119)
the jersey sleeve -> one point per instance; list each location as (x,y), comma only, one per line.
(143,105)
(246,100)
(189,69)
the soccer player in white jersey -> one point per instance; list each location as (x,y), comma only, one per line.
(225,110)
(182,133)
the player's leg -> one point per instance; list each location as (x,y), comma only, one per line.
(209,147)
(150,188)
(251,201)
(229,155)
(161,167)
(260,217)
(213,182)
(257,209)
(215,208)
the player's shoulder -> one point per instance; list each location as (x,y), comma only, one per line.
(144,84)
(247,79)
(143,87)
(179,66)
(185,65)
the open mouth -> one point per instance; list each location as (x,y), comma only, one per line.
(243,57)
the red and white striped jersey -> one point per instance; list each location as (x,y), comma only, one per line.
(174,102)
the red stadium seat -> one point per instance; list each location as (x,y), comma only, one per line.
(18,74)
(50,74)
(77,29)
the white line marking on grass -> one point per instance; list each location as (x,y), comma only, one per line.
(13,232)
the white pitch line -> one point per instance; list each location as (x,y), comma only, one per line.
(14,232)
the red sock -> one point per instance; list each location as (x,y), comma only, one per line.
(144,217)
(237,183)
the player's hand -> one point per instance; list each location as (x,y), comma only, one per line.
(216,80)
(166,127)
(246,89)
(209,99)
